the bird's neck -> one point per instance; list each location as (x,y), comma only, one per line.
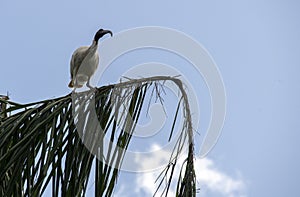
(93,47)
(95,43)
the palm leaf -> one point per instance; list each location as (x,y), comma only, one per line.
(41,143)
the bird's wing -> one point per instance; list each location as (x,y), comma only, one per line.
(77,58)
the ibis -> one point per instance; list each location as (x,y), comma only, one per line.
(84,62)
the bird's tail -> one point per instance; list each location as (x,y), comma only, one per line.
(71,84)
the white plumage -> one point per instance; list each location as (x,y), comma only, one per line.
(84,62)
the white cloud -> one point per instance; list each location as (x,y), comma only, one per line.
(210,179)
(122,192)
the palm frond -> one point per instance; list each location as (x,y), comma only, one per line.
(55,143)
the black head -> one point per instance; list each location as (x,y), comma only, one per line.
(100,33)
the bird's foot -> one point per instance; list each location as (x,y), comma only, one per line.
(90,87)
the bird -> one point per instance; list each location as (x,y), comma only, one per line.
(84,62)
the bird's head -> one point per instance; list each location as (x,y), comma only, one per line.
(100,33)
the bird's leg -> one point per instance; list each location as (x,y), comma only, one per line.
(88,84)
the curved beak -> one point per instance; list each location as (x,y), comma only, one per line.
(100,33)
(107,32)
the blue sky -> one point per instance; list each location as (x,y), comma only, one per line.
(254,43)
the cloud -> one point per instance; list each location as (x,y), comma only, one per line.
(214,180)
(210,180)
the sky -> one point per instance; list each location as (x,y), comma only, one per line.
(255,45)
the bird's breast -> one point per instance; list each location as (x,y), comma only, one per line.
(89,65)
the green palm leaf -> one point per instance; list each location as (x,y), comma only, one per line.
(41,143)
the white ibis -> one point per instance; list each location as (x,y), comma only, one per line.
(84,62)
